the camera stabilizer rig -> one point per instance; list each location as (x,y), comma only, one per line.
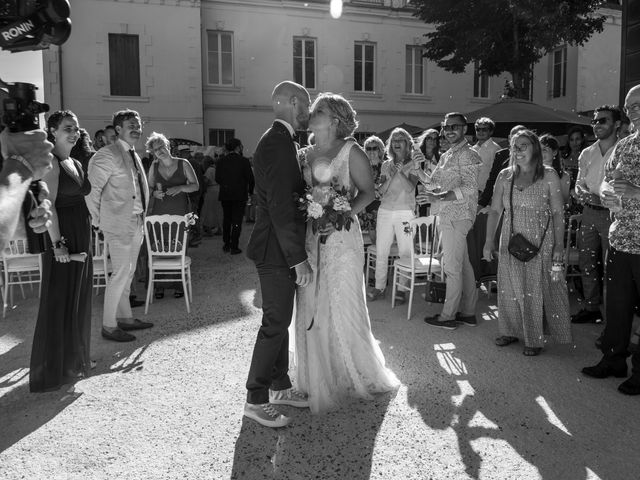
(33,24)
(29,25)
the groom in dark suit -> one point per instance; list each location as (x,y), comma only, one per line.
(277,248)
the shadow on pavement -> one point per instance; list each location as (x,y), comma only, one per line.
(22,413)
(496,399)
(335,445)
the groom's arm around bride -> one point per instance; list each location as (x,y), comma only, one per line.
(277,246)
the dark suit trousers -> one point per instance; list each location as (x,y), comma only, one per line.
(232,215)
(270,361)
(622,294)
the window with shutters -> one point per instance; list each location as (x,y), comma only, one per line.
(480,82)
(364,67)
(220,58)
(414,70)
(304,62)
(559,72)
(124,65)
(219,136)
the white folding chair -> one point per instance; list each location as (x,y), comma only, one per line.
(370,263)
(20,268)
(102,267)
(166,237)
(410,272)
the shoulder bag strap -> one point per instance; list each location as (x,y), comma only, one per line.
(511,214)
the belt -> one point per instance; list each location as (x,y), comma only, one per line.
(595,207)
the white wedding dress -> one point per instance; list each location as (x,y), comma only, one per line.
(338,357)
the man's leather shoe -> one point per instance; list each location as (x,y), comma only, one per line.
(117,335)
(226,248)
(470,320)
(586,316)
(604,370)
(135,325)
(631,386)
(235,251)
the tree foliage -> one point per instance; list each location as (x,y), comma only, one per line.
(504,35)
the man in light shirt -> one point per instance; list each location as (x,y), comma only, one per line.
(486,148)
(594,231)
(456,179)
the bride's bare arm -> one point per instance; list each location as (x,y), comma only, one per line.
(362,178)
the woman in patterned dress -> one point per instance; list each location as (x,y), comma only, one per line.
(530,303)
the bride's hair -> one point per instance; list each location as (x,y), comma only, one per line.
(341,109)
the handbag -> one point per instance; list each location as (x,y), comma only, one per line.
(436,289)
(519,246)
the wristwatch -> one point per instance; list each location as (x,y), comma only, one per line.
(23,161)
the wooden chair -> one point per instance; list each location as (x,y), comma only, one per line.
(410,272)
(20,268)
(166,238)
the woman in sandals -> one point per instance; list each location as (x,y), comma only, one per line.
(530,303)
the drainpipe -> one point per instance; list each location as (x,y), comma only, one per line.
(60,77)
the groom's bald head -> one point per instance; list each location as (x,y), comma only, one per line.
(290,102)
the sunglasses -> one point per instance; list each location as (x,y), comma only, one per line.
(372,149)
(451,128)
(599,121)
(522,148)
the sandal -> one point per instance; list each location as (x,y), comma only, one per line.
(159,294)
(505,340)
(531,351)
(178,294)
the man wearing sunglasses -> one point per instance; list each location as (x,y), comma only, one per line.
(594,231)
(454,191)
(623,260)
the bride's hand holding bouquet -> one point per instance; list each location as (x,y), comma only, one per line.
(328,208)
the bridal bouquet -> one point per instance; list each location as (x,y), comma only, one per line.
(327,205)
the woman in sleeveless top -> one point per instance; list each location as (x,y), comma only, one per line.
(171,179)
(338,357)
(530,304)
(60,352)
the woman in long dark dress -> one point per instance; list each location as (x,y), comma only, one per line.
(60,351)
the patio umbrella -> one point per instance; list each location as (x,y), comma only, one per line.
(412,129)
(510,112)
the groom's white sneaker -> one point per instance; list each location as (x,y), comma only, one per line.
(290,396)
(266,415)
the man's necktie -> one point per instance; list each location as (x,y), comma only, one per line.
(140,185)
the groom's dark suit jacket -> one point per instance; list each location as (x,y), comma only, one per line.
(278,235)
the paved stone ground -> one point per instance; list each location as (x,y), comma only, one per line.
(170,404)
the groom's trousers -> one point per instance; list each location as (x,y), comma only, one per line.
(270,361)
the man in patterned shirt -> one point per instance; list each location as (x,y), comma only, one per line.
(456,194)
(623,261)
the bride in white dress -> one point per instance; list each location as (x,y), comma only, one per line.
(338,357)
